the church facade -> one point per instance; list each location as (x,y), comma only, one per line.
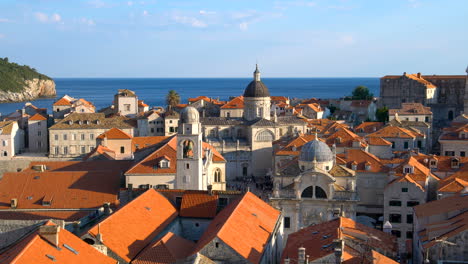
(246,141)
(313,189)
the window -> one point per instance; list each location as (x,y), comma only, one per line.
(419,144)
(56,150)
(164,164)
(228,114)
(409,218)
(404,189)
(394,203)
(217,245)
(122,149)
(426,119)
(417,119)
(187,166)
(462,153)
(265,136)
(83,149)
(407,170)
(222,202)
(287,222)
(127,107)
(396,233)
(395,218)
(91,136)
(82,136)
(412,203)
(56,137)
(5,153)
(393,145)
(217,175)
(91,148)
(449,153)
(409,235)
(171,129)
(64,136)
(65,150)
(39,133)
(406,145)
(152,130)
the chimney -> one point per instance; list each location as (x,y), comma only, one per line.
(210,190)
(339,247)
(99,235)
(301,256)
(50,233)
(107,210)
(419,75)
(14,203)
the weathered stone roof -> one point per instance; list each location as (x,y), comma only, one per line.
(256,89)
(220,121)
(6,127)
(92,121)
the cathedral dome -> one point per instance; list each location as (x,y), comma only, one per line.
(316,150)
(256,88)
(189,115)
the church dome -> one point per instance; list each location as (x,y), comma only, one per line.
(316,150)
(256,89)
(189,115)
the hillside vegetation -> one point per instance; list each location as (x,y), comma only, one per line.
(13,75)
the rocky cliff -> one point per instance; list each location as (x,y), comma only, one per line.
(33,89)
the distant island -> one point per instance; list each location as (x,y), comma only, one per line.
(22,83)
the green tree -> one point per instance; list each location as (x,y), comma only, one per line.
(362,93)
(172,99)
(382,114)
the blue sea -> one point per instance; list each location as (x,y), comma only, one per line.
(100,91)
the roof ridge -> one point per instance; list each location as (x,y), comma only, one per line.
(147,157)
(26,247)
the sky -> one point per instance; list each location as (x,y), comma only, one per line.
(225,38)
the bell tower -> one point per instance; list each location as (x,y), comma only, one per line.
(189,174)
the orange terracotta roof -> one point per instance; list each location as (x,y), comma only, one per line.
(34,248)
(368,127)
(344,138)
(245,225)
(360,157)
(101,151)
(139,143)
(318,240)
(198,204)
(141,103)
(236,103)
(82,101)
(115,167)
(142,219)
(37,117)
(437,207)
(43,215)
(68,190)
(279,98)
(395,132)
(421,80)
(455,183)
(293,148)
(420,171)
(114,133)
(408,178)
(316,107)
(411,109)
(202,97)
(169,149)
(378,141)
(62,102)
(168,249)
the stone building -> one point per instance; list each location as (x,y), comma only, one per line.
(66,105)
(444,94)
(11,139)
(38,137)
(126,103)
(313,188)
(440,231)
(75,135)
(245,140)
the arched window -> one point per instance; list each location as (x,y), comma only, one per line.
(308,192)
(320,193)
(265,136)
(217,175)
(188,149)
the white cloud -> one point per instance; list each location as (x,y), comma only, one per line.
(88,22)
(41,17)
(204,12)
(55,18)
(347,39)
(191,21)
(243,26)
